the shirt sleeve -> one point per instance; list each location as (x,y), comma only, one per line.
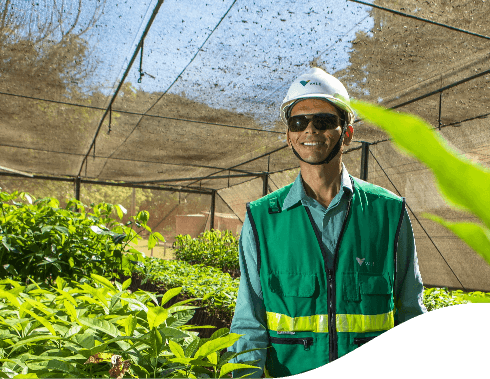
(250,315)
(409,289)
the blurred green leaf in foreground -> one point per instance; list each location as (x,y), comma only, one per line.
(462,183)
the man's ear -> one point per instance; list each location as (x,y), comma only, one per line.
(287,138)
(348,135)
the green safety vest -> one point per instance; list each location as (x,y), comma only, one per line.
(314,314)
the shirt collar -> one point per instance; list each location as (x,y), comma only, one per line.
(297,192)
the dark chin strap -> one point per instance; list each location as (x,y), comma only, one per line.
(330,156)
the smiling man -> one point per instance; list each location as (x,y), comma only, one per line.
(329,261)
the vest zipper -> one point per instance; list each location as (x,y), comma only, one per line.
(306,342)
(332,310)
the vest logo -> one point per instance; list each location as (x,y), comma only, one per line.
(360,261)
(303,82)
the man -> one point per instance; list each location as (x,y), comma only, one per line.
(327,262)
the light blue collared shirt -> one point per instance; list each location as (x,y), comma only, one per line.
(250,314)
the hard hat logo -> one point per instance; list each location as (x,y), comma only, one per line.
(303,82)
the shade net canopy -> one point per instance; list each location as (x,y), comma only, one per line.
(185,95)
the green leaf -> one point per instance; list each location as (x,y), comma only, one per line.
(86,340)
(191,348)
(418,138)
(26,376)
(45,229)
(27,197)
(476,299)
(191,361)
(159,236)
(138,303)
(173,333)
(62,229)
(121,339)
(170,294)
(42,320)
(121,211)
(130,324)
(101,325)
(476,236)
(126,284)
(213,358)
(97,230)
(25,342)
(67,296)
(229,367)
(103,281)
(156,316)
(57,365)
(152,241)
(219,333)
(217,344)
(118,238)
(11,298)
(176,349)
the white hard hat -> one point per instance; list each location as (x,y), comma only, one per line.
(316,83)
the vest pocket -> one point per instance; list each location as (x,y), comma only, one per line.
(375,284)
(293,355)
(376,293)
(366,293)
(292,285)
(306,342)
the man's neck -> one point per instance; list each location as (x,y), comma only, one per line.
(322,182)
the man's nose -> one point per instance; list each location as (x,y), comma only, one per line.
(311,127)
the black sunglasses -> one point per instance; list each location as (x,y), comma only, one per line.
(321,121)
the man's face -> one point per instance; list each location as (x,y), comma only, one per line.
(311,144)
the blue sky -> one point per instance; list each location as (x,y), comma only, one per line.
(248,62)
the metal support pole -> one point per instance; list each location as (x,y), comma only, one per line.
(78,182)
(440,108)
(265,184)
(365,160)
(133,202)
(213,206)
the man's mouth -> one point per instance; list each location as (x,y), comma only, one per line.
(312,143)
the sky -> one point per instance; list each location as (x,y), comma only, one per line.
(246,63)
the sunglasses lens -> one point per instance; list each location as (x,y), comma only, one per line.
(326,121)
(322,121)
(298,123)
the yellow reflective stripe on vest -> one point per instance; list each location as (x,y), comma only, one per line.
(319,323)
(283,323)
(365,323)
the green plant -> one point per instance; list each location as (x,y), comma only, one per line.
(211,248)
(82,329)
(435,298)
(42,241)
(217,289)
(462,183)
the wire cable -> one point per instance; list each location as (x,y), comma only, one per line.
(441,89)
(148,25)
(121,159)
(171,85)
(416,218)
(240,164)
(140,114)
(421,19)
